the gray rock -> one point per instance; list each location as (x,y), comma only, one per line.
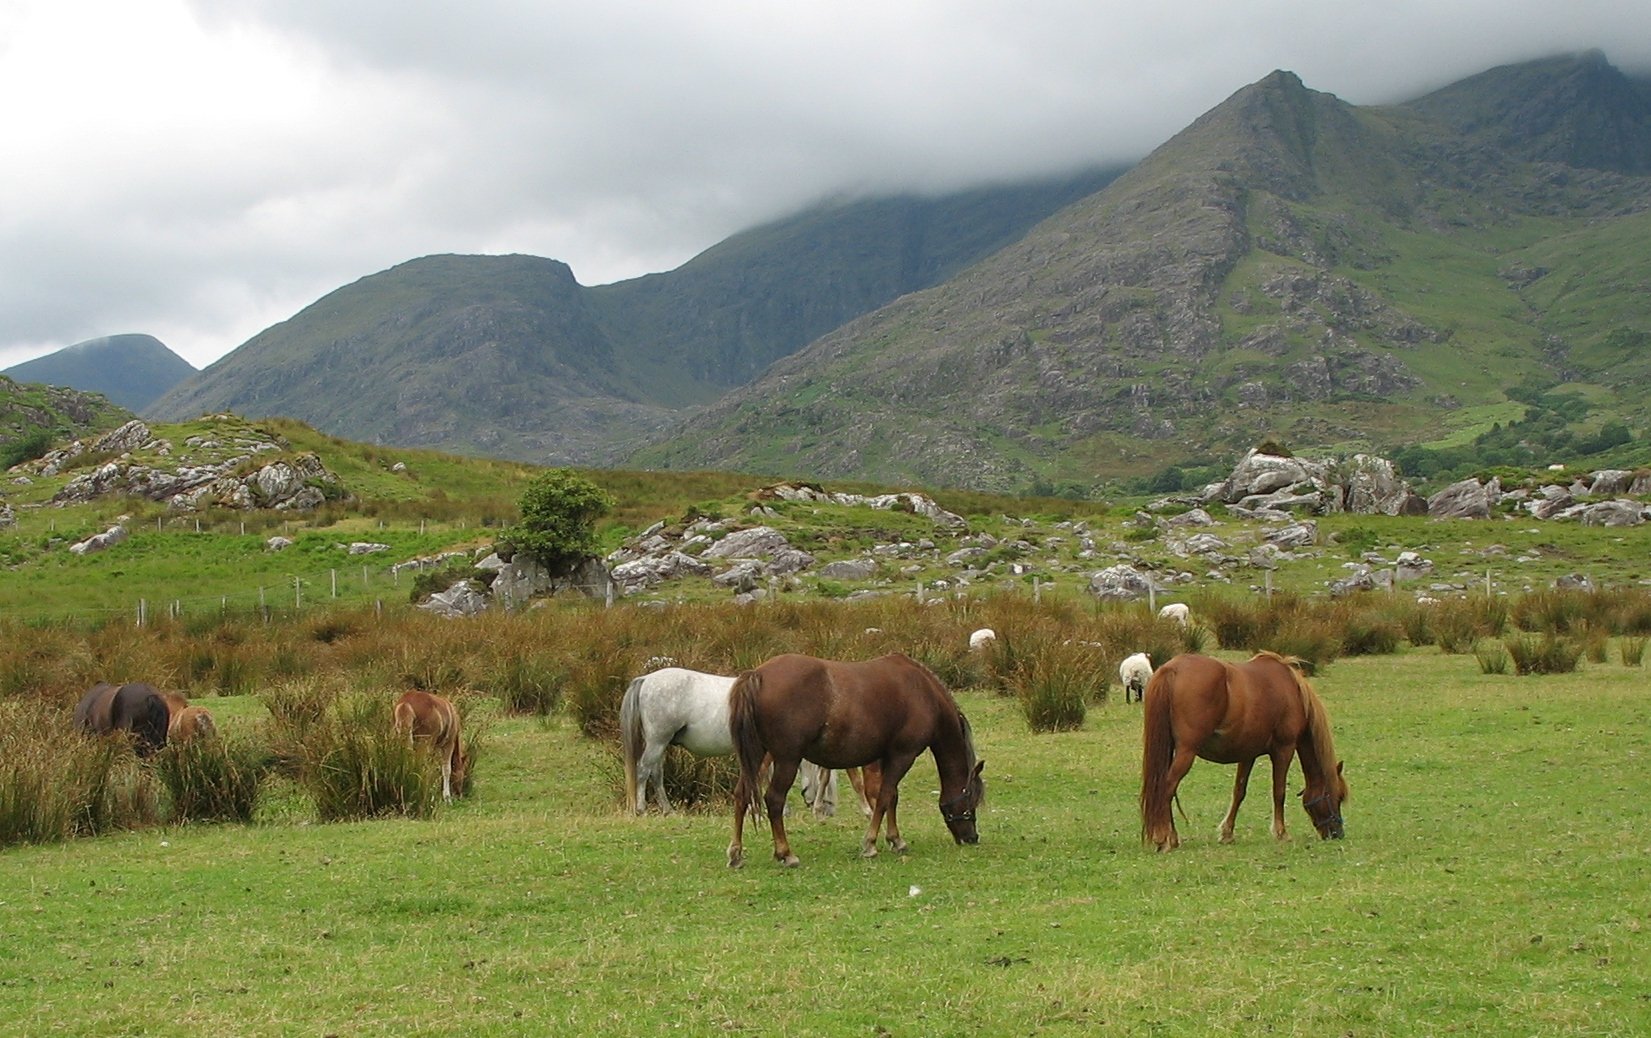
(1613,513)
(1574,582)
(849,569)
(1120,582)
(753,543)
(1303,534)
(1468,499)
(645,573)
(366,548)
(278,543)
(464,598)
(100,541)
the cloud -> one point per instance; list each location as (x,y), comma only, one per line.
(201,170)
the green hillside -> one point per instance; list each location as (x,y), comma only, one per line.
(508,356)
(1289,266)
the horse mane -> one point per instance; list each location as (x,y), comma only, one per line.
(1318,721)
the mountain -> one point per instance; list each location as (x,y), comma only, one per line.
(509,356)
(131,370)
(1288,266)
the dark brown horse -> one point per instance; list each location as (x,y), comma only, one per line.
(136,708)
(1231,714)
(884,711)
(430,720)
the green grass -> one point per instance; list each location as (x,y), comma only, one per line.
(1492,882)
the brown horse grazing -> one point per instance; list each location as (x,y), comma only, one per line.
(884,711)
(1231,714)
(424,717)
(190,723)
(136,708)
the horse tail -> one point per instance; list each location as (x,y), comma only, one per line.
(630,737)
(742,727)
(1157,751)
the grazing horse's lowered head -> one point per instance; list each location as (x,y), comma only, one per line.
(429,719)
(192,722)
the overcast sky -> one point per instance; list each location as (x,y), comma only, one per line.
(200,171)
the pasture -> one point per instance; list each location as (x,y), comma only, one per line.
(1494,880)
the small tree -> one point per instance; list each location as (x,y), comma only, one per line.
(559,513)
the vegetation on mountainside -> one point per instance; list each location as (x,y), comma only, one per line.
(32,416)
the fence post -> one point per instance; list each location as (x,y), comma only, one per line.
(335,583)
(297,593)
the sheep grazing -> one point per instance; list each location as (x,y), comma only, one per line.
(1135,672)
(981,638)
(1176,611)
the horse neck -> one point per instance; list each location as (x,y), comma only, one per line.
(953,749)
(1315,748)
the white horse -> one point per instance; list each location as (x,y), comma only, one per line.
(1176,611)
(674,706)
(1135,671)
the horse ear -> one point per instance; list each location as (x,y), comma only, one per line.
(1338,767)
(980,765)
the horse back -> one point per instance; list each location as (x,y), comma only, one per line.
(141,710)
(424,715)
(845,714)
(92,712)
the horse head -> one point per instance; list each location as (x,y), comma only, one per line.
(1323,805)
(958,810)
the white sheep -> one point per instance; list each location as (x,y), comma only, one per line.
(981,638)
(1176,611)
(1135,672)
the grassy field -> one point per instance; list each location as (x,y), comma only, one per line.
(1494,881)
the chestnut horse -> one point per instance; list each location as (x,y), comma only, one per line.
(884,711)
(427,718)
(1231,714)
(135,708)
(189,723)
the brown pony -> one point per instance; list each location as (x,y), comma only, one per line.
(1231,714)
(424,717)
(136,708)
(885,711)
(189,723)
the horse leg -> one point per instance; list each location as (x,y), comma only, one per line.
(1281,777)
(779,787)
(447,778)
(650,769)
(1240,784)
(1163,833)
(888,796)
(857,779)
(742,803)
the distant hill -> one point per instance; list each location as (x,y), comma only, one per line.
(131,370)
(52,413)
(509,356)
(1288,266)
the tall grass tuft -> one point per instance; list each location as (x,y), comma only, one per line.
(1632,650)
(56,782)
(1056,679)
(1549,654)
(216,779)
(1492,657)
(355,765)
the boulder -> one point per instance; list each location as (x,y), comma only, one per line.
(99,541)
(1612,513)
(1372,485)
(655,569)
(1468,499)
(464,598)
(1120,582)
(1411,566)
(1303,534)
(849,569)
(7,516)
(753,543)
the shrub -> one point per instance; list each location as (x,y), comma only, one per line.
(1055,678)
(355,765)
(213,779)
(1550,654)
(56,783)
(1633,651)
(1493,658)
(559,512)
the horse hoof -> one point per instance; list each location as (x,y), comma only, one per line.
(789,861)
(868,851)
(900,847)
(736,858)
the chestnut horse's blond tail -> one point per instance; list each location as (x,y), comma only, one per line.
(742,726)
(404,719)
(630,737)
(1157,752)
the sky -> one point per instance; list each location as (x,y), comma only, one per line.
(199,171)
